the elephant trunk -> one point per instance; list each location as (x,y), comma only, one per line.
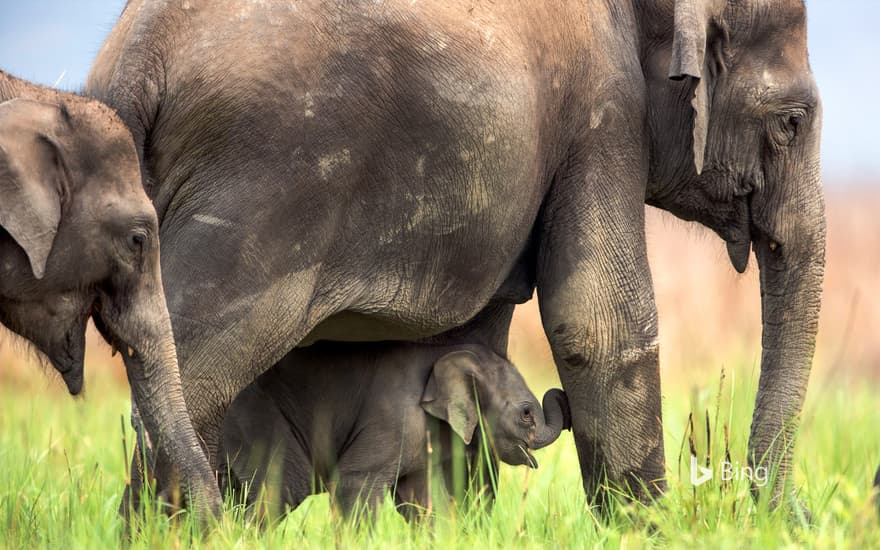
(557,417)
(141,329)
(791,274)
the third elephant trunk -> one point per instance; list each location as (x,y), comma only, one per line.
(791,274)
(557,417)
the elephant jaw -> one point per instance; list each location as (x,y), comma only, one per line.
(68,359)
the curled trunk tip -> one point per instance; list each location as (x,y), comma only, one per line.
(557,417)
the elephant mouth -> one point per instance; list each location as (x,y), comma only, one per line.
(117,344)
(530,460)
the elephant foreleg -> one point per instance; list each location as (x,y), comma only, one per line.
(221,353)
(597,307)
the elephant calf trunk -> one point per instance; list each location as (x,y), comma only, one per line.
(557,417)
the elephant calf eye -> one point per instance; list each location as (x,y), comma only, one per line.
(527,414)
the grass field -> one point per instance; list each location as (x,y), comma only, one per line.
(63,468)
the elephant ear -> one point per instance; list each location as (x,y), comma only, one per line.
(32,176)
(450,393)
(689,59)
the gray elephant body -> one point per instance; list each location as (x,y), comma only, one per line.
(394,170)
(368,418)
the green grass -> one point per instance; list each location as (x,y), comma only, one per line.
(62,472)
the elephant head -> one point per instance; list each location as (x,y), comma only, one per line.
(80,235)
(735,120)
(462,387)
(79,240)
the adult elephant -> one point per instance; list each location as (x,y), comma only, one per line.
(391,170)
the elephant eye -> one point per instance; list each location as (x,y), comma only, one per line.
(526,414)
(136,240)
(791,123)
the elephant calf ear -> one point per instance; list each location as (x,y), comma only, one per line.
(450,393)
(31,172)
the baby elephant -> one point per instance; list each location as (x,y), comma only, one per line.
(358,417)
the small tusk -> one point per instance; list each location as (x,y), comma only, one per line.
(529,460)
(130,352)
(113,350)
(773,245)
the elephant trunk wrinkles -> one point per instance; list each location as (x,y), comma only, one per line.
(151,365)
(557,417)
(791,274)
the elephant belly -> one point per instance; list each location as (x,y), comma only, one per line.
(431,289)
(351,326)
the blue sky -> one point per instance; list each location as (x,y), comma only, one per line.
(43,39)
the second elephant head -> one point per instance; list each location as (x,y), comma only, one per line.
(463,391)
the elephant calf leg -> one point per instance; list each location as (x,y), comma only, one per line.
(265,460)
(413,495)
(361,492)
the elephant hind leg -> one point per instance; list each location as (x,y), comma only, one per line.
(284,483)
(877,488)
(261,456)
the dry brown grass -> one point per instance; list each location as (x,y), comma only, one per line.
(709,315)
